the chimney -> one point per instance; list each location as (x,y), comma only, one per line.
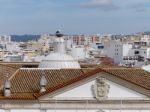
(43,83)
(6,89)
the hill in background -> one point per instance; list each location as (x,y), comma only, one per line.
(24,38)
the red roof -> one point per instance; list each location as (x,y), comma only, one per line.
(25,82)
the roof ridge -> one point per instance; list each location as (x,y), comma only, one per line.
(14,74)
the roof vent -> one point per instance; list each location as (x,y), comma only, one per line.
(7,86)
(43,83)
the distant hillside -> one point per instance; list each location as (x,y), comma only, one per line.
(24,38)
(146,33)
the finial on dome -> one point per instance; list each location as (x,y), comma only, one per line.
(58,33)
(43,83)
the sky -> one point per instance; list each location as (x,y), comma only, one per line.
(74,16)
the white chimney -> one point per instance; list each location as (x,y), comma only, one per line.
(7,86)
(43,83)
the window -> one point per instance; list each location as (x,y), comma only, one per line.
(136,52)
(100,47)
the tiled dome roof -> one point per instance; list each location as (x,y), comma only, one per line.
(59,60)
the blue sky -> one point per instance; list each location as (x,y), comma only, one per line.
(74,16)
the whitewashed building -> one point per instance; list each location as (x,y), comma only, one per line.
(78,52)
(116,50)
(137,56)
(32,87)
(143,52)
(5,39)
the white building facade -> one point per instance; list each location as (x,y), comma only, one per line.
(116,50)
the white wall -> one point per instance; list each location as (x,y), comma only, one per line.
(13,47)
(85,91)
(25,110)
(148,53)
(69,43)
(126,49)
(35,110)
(98,110)
(115,51)
(78,53)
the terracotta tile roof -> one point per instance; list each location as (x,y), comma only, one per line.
(18,96)
(133,75)
(88,65)
(76,78)
(85,70)
(5,73)
(18,65)
(25,82)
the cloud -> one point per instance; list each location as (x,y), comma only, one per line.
(105,5)
(23,7)
(139,7)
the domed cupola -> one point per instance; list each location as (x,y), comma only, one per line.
(59,59)
(59,43)
(58,34)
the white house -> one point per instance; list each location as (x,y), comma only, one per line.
(143,52)
(78,52)
(137,56)
(116,50)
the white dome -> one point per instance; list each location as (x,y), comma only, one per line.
(146,68)
(59,60)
